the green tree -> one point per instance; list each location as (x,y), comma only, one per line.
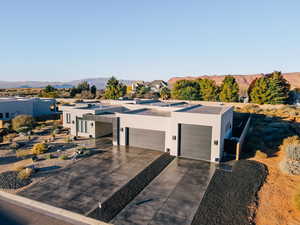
(186,90)
(270,89)
(93,90)
(114,89)
(208,89)
(260,92)
(49,88)
(165,93)
(83,86)
(142,90)
(229,90)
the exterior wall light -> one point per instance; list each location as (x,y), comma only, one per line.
(122,129)
(73,121)
(174,137)
(92,124)
(216,142)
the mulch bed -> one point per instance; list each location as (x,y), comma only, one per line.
(10,180)
(231,197)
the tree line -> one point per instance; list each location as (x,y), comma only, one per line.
(267,89)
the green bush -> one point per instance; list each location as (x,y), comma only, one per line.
(49,156)
(63,157)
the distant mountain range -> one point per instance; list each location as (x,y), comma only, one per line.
(243,80)
(98,82)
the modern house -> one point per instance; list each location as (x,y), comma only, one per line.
(190,131)
(36,107)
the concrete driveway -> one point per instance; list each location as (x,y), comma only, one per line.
(13,214)
(81,186)
(173,197)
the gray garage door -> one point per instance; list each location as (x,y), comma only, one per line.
(195,141)
(150,139)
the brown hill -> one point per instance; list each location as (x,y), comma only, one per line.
(243,80)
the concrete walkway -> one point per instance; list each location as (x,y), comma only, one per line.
(171,198)
(81,186)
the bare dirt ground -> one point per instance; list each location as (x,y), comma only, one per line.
(275,197)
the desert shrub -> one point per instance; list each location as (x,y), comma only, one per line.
(291,146)
(39,148)
(23,153)
(260,155)
(49,156)
(63,157)
(24,174)
(297,199)
(291,163)
(22,121)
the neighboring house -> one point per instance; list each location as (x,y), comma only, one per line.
(155,86)
(190,131)
(36,107)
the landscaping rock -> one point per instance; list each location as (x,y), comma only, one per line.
(10,180)
(231,196)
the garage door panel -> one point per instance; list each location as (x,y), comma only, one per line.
(149,139)
(195,141)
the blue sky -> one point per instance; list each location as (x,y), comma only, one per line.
(146,39)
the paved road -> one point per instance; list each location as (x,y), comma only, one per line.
(171,198)
(11,214)
(80,187)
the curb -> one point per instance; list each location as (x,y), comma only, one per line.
(49,210)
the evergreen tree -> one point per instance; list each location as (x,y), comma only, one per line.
(260,92)
(114,89)
(186,90)
(270,89)
(93,90)
(83,86)
(229,90)
(208,89)
(279,88)
(49,88)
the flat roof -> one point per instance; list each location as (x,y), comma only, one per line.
(150,112)
(203,109)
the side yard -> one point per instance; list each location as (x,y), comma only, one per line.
(273,141)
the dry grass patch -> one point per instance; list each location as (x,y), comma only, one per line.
(39,148)
(260,155)
(24,174)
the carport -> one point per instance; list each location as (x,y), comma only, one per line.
(104,124)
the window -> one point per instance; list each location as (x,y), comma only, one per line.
(1,115)
(7,115)
(82,126)
(68,117)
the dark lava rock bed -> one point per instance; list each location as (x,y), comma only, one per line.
(10,180)
(231,196)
